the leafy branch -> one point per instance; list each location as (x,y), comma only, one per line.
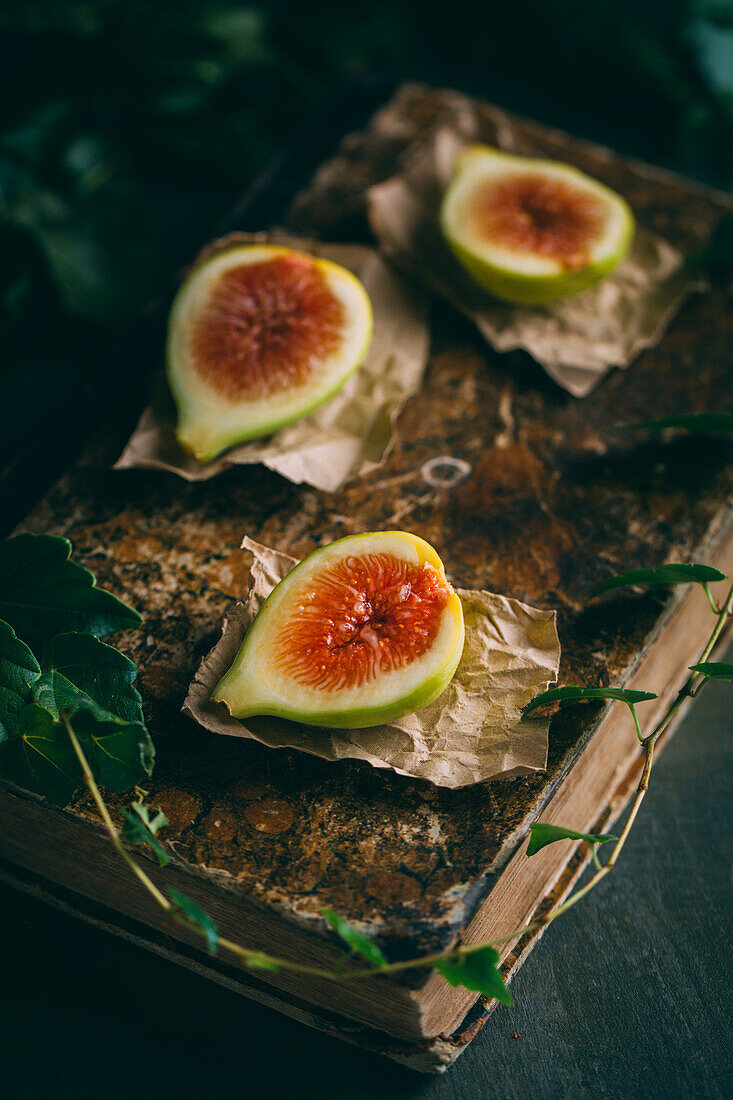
(568,696)
(664,576)
(473,966)
(140,828)
(53,666)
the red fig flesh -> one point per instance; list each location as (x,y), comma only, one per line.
(363,631)
(531,231)
(265,326)
(259,336)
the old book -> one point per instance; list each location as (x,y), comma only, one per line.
(554,503)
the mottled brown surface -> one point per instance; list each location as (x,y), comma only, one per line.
(555,502)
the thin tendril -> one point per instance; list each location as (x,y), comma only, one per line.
(251,957)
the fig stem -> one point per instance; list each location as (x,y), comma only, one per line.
(261,960)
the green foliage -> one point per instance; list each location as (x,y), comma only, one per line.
(77,677)
(568,696)
(39,757)
(127,122)
(357,942)
(140,828)
(79,665)
(714,670)
(38,754)
(479,971)
(541,835)
(18,669)
(188,913)
(664,576)
(130,120)
(120,754)
(44,593)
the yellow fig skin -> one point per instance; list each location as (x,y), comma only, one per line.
(522,287)
(248,689)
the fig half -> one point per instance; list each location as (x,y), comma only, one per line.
(361,632)
(532,231)
(259,336)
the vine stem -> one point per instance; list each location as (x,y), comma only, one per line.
(709,595)
(259,959)
(165,903)
(91,784)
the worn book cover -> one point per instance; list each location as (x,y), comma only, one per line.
(551,500)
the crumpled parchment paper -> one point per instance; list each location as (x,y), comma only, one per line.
(578,339)
(471,733)
(349,435)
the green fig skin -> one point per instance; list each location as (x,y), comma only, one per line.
(208,424)
(352,719)
(244,692)
(205,446)
(522,288)
(537,290)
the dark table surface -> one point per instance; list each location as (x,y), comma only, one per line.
(628,995)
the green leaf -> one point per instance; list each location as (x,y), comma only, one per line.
(105,708)
(715,670)
(43,593)
(40,757)
(79,665)
(154,823)
(705,423)
(18,669)
(358,943)
(92,684)
(187,912)
(119,753)
(664,576)
(541,835)
(568,696)
(140,828)
(478,971)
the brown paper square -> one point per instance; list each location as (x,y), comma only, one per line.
(349,435)
(470,734)
(577,340)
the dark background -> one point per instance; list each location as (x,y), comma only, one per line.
(127,128)
(127,131)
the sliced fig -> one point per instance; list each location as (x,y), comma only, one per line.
(531,230)
(259,336)
(361,632)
